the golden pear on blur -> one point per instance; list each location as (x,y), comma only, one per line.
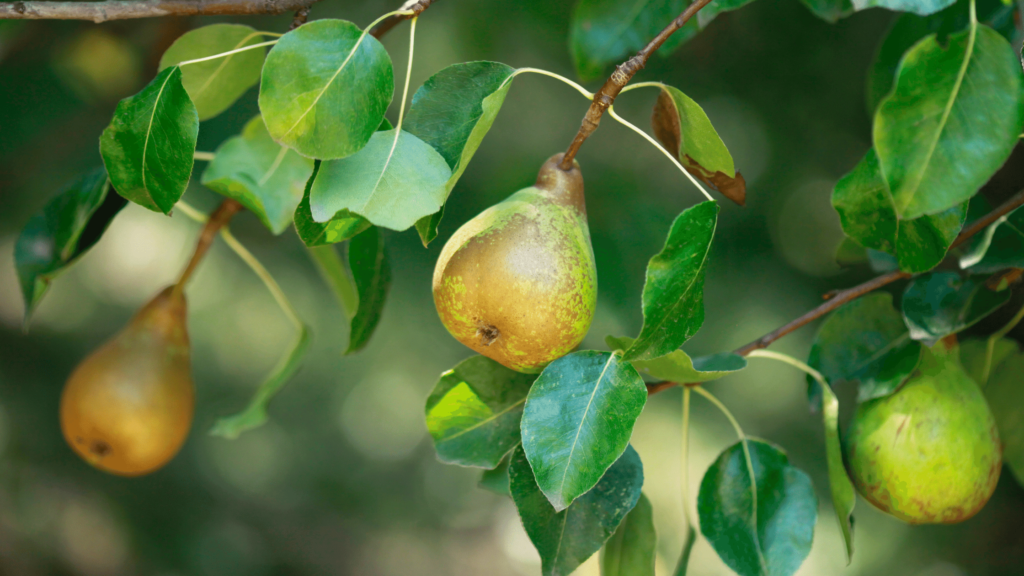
(127,408)
(518,283)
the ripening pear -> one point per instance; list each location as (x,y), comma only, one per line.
(518,283)
(127,408)
(930,452)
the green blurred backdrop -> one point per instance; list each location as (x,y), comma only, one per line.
(343,480)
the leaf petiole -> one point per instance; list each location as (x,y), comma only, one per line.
(586,94)
(990,346)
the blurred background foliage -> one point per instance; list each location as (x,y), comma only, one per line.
(343,480)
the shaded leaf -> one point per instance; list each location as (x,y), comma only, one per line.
(936,147)
(674,290)
(677,366)
(939,304)
(716,7)
(473,413)
(1005,395)
(578,418)
(54,238)
(632,550)
(683,564)
(830,11)
(565,539)
(148,147)
(920,7)
(786,511)
(368,259)
(215,85)
(337,277)
(973,355)
(340,227)
(262,175)
(850,253)
(325,88)
(496,480)
(1000,246)
(426,227)
(844,497)
(685,130)
(865,341)
(392,182)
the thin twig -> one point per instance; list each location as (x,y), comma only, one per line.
(128,9)
(624,72)
(414,8)
(219,219)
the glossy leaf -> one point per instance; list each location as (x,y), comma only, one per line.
(937,146)
(392,182)
(496,480)
(474,411)
(844,497)
(606,32)
(679,367)
(869,217)
(865,341)
(325,88)
(578,419)
(214,85)
(1005,395)
(773,541)
(368,259)
(674,290)
(1000,246)
(54,238)
(632,550)
(148,146)
(565,539)
(936,305)
(265,177)
(684,129)
(920,7)
(340,227)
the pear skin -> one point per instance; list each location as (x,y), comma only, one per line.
(928,453)
(127,408)
(518,283)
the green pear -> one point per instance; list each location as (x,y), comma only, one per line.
(928,453)
(517,283)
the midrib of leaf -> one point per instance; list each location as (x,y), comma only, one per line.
(881,352)
(274,166)
(482,422)
(579,429)
(561,538)
(149,130)
(638,7)
(225,62)
(753,506)
(375,283)
(384,169)
(972,35)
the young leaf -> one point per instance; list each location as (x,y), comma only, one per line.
(869,217)
(452,112)
(684,129)
(214,85)
(679,367)
(148,146)
(844,497)
(631,551)
(392,182)
(68,225)
(939,304)
(368,258)
(1000,246)
(1004,394)
(474,411)
(578,418)
(264,176)
(566,538)
(772,540)
(605,32)
(920,7)
(325,88)
(865,341)
(936,147)
(674,290)
(496,480)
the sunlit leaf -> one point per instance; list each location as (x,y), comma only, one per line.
(920,7)
(936,305)
(368,259)
(677,366)
(632,550)
(340,227)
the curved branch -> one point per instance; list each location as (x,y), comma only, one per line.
(415,8)
(128,9)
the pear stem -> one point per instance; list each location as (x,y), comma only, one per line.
(220,218)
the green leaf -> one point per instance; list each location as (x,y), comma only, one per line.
(474,411)
(148,146)
(632,550)
(262,175)
(973,357)
(786,511)
(865,341)
(496,480)
(215,85)
(1005,396)
(53,239)
(674,290)
(937,146)
(683,564)
(830,11)
(325,88)
(844,497)
(578,419)
(606,32)
(869,217)
(685,130)
(1000,246)
(565,539)
(939,304)
(850,253)
(452,112)
(337,277)
(392,182)
(340,227)
(716,7)
(677,366)
(368,259)
(920,7)
(255,414)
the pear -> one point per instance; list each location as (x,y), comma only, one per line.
(930,452)
(127,408)
(518,283)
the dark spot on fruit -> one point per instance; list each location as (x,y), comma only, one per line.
(487,333)
(99,448)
